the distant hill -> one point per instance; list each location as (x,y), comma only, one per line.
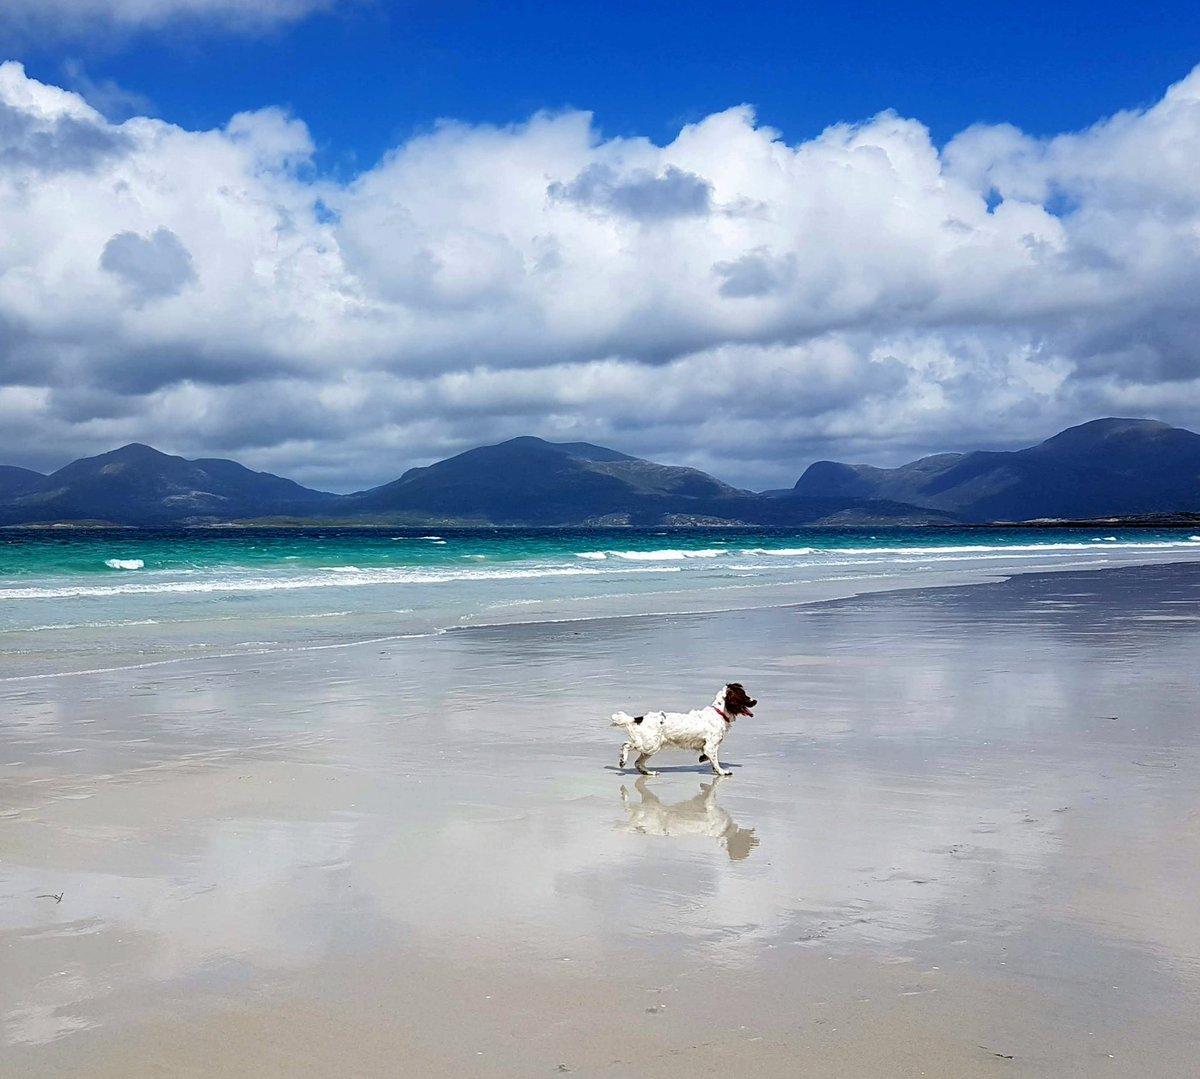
(1105,468)
(18,481)
(530,481)
(525,481)
(533,482)
(139,485)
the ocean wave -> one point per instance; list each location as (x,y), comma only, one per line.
(235,581)
(654,556)
(836,555)
(1004,548)
(110,624)
(339,580)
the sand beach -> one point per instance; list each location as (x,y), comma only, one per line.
(962,838)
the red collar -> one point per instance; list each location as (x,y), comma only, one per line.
(721,714)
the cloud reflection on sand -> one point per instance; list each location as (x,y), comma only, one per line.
(216,887)
(955,781)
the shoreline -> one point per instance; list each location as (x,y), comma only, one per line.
(960,830)
(689,604)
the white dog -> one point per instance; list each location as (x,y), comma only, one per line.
(701,729)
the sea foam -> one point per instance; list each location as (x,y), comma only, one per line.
(325,579)
(654,556)
(124,563)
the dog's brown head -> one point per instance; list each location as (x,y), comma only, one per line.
(737,701)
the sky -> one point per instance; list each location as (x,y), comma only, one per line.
(334,239)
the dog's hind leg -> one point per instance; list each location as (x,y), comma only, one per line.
(640,764)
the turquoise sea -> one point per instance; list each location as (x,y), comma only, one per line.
(73,600)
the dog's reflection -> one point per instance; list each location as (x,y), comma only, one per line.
(700,815)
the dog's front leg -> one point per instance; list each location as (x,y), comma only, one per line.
(710,751)
(640,764)
(625,751)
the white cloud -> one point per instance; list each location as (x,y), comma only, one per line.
(727,300)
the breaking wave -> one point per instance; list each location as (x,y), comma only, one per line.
(124,563)
(654,556)
(342,577)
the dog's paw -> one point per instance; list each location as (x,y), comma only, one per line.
(724,772)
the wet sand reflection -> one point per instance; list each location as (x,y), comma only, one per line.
(700,815)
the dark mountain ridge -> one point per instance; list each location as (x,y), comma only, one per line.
(1107,467)
(138,485)
(530,481)
(525,481)
(18,481)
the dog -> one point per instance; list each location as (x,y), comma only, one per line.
(703,729)
(700,815)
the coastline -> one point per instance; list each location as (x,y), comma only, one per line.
(1183,521)
(960,830)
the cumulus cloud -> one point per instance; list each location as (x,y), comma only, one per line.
(49,144)
(728,300)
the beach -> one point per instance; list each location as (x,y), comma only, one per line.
(962,838)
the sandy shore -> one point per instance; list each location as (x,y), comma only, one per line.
(962,838)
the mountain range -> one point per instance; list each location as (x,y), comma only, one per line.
(1105,468)
(1108,467)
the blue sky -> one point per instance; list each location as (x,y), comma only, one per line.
(365,76)
(338,238)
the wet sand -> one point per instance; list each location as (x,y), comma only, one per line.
(962,838)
